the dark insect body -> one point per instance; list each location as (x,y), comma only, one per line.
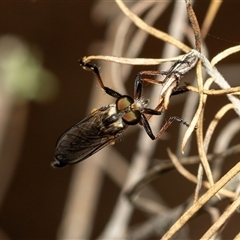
(107,123)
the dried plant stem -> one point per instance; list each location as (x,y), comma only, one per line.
(201,201)
(194,23)
(193,178)
(213,124)
(210,16)
(237,237)
(165,165)
(131,61)
(198,118)
(193,123)
(212,71)
(126,45)
(213,92)
(222,219)
(151,30)
(222,144)
(220,56)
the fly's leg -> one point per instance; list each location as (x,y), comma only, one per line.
(95,70)
(138,86)
(148,129)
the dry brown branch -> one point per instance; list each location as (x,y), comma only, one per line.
(150,30)
(237,237)
(165,166)
(131,61)
(210,16)
(222,219)
(214,122)
(202,200)
(213,92)
(194,23)
(193,178)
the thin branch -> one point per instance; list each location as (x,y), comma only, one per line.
(151,30)
(201,201)
(214,92)
(194,23)
(210,16)
(132,61)
(223,218)
(165,165)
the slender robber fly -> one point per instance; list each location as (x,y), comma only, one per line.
(103,126)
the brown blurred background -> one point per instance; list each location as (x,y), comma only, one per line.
(64,31)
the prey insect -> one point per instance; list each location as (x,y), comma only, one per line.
(173,77)
(103,126)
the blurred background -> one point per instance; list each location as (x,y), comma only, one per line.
(44,92)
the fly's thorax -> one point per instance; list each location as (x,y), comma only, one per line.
(113,118)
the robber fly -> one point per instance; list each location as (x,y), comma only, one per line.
(103,126)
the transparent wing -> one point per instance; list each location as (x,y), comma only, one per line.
(85,138)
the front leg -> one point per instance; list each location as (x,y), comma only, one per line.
(95,70)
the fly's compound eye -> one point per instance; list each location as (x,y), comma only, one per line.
(130,116)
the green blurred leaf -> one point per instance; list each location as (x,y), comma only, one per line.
(22,73)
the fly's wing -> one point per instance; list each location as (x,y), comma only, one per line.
(84,139)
